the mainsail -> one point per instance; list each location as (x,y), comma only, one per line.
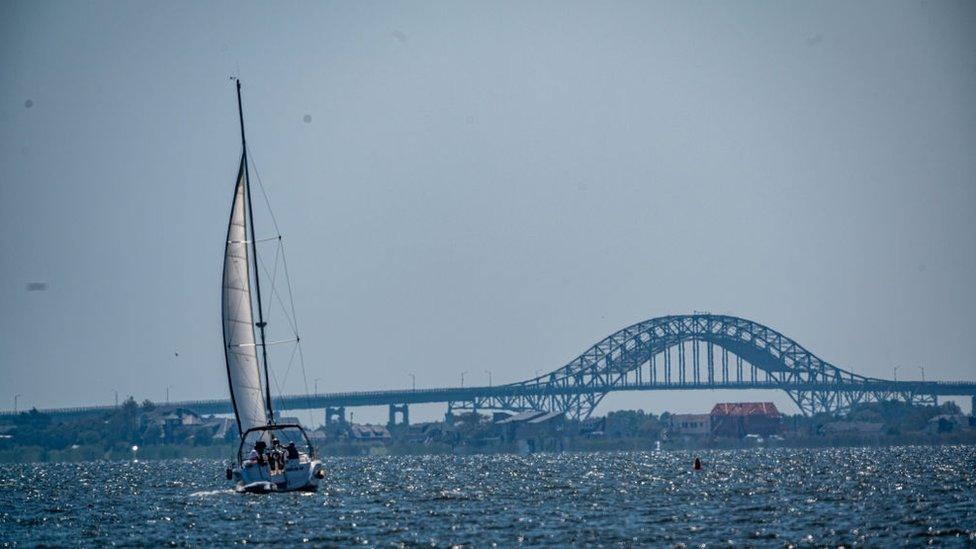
(243,373)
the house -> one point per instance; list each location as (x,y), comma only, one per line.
(547,424)
(319,437)
(223,427)
(368,432)
(593,427)
(497,417)
(287,420)
(171,420)
(509,426)
(691,424)
(737,419)
(183,424)
(534,430)
(424,432)
(181,417)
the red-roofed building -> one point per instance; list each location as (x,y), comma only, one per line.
(738,419)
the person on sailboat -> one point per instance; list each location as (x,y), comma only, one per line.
(257,454)
(292,451)
(276,457)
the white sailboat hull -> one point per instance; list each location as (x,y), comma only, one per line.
(297,476)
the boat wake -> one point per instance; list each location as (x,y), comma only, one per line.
(208,493)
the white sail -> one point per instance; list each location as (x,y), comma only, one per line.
(240,350)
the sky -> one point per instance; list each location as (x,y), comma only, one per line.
(483,186)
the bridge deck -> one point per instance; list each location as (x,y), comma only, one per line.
(458,394)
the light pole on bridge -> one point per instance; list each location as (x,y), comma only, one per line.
(317,386)
(894,372)
(413,382)
(489,377)
(16,398)
(923,371)
(462,377)
(168,387)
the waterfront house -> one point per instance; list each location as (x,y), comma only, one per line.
(368,432)
(690,425)
(737,419)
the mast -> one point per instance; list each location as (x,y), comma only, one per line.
(254,253)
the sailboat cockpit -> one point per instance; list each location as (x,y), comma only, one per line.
(276,458)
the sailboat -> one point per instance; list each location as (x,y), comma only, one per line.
(272,457)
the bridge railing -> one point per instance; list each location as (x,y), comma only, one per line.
(445,394)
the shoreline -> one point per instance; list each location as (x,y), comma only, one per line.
(31,455)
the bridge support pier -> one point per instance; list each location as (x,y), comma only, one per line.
(333,413)
(404,412)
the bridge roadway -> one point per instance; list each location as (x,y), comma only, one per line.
(450,395)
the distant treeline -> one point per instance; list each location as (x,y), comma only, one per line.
(34,436)
(129,431)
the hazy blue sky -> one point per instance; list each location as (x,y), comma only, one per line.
(484,186)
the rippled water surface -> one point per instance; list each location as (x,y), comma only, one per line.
(910,495)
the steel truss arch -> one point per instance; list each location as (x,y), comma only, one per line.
(641,356)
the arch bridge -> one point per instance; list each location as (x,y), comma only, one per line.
(701,351)
(670,353)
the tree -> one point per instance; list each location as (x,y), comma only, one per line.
(32,420)
(130,408)
(951,408)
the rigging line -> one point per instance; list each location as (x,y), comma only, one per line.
(291,299)
(284,379)
(288,310)
(293,318)
(308,399)
(274,220)
(276,294)
(291,296)
(291,361)
(273,276)
(278,384)
(284,310)
(269,274)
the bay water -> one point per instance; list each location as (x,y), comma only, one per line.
(757,497)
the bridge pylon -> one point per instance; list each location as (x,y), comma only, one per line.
(335,414)
(404,413)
